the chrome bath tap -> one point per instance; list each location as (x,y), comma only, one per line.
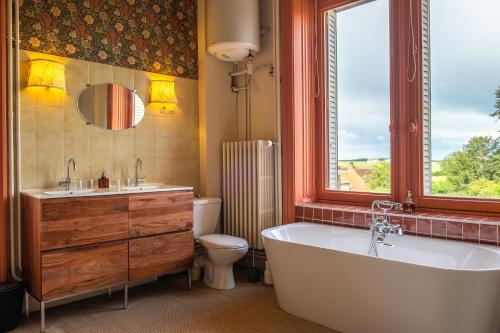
(138,166)
(380,226)
(66,182)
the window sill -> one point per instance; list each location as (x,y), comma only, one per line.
(469,228)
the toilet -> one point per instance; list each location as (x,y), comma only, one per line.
(223,250)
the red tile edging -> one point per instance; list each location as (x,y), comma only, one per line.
(476,229)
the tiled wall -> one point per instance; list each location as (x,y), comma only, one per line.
(484,230)
(52,131)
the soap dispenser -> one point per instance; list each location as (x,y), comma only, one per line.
(409,205)
(103,182)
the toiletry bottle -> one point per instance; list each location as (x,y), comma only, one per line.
(103,182)
(409,205)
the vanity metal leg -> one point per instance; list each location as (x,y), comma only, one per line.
(189,278)
(27,304)
(109,293)
(125,296)
(42,317)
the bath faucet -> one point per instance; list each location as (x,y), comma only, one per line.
(138,166)
(380,226)
(66,182)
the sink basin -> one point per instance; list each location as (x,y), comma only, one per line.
(69,192)
(142,187)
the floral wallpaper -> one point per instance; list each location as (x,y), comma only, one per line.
(149,35)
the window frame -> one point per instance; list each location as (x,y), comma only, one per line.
(407,156)
(435,202)
(322,193)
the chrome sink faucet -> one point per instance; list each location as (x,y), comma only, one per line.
(66,182)
(137,178)
(380,226)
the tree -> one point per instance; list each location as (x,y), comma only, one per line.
(479,159)
(379,178)
(496,113)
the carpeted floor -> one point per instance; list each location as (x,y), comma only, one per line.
(164,306)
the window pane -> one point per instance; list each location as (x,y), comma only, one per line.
(461,72)
(358,97)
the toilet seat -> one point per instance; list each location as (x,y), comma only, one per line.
(218,241)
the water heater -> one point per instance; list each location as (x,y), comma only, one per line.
(233,29)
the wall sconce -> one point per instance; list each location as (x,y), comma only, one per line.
(163,92)
(46,73)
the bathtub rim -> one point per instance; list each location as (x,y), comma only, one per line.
(266,232)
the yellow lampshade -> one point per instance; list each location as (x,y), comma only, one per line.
(46,73)
(163,92)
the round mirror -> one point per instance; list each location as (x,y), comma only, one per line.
(110,106)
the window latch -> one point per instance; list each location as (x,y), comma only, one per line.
(414,127)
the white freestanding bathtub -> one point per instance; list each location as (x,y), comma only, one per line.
(420,285)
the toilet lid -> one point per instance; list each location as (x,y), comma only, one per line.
(223,241)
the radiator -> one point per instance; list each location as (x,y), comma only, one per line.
(248,189)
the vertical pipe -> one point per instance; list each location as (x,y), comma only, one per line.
(17,116)
(3,140)
(12,166)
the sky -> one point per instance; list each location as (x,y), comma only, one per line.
(465,67)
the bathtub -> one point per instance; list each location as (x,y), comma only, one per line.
(419,285)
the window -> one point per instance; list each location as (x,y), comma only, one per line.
(461,92)
(358,97)
(398,109)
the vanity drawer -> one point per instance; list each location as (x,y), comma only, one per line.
(156,255)
(157,213)
(77,270)
(81,221)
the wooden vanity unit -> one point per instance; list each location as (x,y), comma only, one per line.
(81,244)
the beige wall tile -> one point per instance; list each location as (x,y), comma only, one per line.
(163,169)
(82,170)
(49,97)
(49,120)
(28,172)
(28,118)
(101,145)
(123,146)
(163,148)
(185,168)
(124,77)
(146,128)
(50,145)
(73,122)
(49,171)
(123,168)
(77,76)
(148,170)
(181,128)
(28,145)
(144,147)
(76,145)
(142,85)
(179,148)
(100,73)
(163,126)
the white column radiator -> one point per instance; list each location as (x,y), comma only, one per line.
(248,189)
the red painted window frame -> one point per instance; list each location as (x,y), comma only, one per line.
(434,202)
(301,120)
(323,194)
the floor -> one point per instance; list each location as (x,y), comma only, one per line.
(165,306)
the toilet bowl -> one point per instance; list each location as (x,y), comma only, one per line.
(223,250)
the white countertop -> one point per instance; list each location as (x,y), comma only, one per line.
(41,193)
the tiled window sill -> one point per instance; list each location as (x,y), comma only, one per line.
(477,229)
